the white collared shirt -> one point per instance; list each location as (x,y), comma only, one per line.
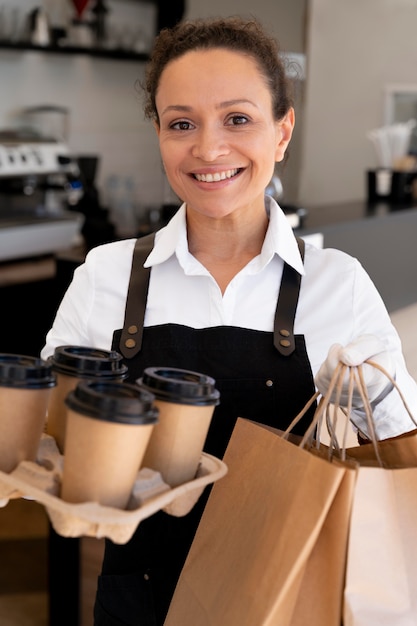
(338,301)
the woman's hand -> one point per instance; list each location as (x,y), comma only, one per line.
(355,353)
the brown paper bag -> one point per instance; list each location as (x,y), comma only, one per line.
(272,539)
(381,568)
(400,451)
(381,571)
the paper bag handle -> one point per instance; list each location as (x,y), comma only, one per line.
(324,404)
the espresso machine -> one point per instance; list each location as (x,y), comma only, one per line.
(39,184)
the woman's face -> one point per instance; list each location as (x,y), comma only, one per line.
(218,138)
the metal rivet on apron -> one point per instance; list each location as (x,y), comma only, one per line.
(284,343)
(132,330)
(284,333)
(130,343)
(269,383)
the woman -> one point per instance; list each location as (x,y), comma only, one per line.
(226,262)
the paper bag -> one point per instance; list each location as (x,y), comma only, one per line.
(381,575)
(261,538)
(381,571)
(400,451)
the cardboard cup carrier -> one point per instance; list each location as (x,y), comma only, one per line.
(72,364)
(108,428)
(26,383)
(186,401)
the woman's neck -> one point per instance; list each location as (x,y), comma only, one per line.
(225,246)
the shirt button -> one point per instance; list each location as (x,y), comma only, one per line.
(269,383)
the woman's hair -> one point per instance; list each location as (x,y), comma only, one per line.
(231,33)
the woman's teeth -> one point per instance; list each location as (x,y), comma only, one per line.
(214,178)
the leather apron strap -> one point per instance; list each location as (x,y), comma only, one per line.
(287,306)
(131,337)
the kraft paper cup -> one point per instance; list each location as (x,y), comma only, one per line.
(72,364)
(108,428)
(186,401)
(25,386)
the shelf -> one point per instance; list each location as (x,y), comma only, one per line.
(102,53)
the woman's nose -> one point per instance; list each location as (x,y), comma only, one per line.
(209,145)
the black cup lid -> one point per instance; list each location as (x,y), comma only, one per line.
(180,386)
(113,402)
(25,372)
(86,362)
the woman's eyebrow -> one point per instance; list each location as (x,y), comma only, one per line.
(184,108)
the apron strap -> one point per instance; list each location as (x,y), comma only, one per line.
(287,306)
(132,332)
(131,337)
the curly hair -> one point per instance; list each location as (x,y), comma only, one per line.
(231,33)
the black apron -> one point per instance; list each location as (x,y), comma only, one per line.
(261,376)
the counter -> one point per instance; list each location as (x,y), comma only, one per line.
(382,237)
(352,211)
(26,271)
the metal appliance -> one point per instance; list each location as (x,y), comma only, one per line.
(39,181)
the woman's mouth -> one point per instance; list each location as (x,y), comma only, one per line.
(216,176)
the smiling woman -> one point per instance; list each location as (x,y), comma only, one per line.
(219,147)
(232,292)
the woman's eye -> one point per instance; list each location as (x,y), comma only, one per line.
(181,125)
(237,120)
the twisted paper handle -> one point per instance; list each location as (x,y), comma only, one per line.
(330,411)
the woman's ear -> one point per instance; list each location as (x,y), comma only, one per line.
(156,127)
(285,126)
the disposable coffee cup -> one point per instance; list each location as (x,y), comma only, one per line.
(25,386)
(186,401)
(71,365)
(108,428)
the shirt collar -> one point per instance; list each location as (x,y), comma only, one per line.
(279,239)
(170,239)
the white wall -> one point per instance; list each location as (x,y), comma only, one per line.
(284,19)
(354,49)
